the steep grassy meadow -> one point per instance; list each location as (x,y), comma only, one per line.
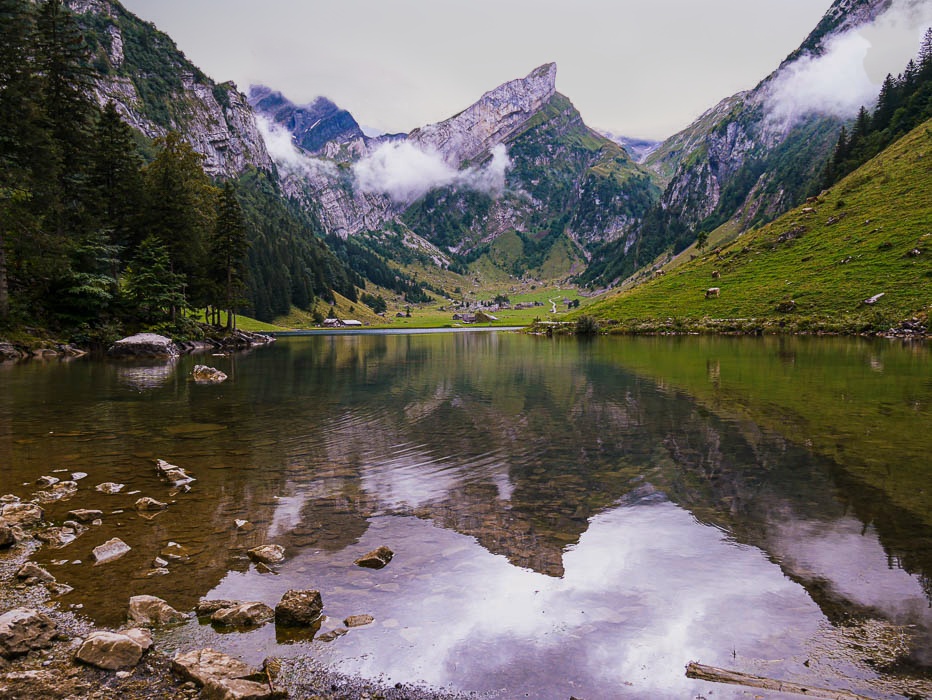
(811,269)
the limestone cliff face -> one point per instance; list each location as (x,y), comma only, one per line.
(494,118)
(156,90)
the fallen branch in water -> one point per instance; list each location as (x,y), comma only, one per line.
(722,675)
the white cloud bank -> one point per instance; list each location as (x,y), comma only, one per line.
(848,74)
(287,156)
(405,172)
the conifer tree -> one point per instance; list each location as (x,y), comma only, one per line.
(229,246)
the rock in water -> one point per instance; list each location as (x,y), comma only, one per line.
(376,559)
(23,630)
(110,550)
(145,503)
(150,610)
(298,608)
(33,573)
(267,553)
(110,650)
(208,375)
(144,345)
(250,614)
(22,514)
(358,620)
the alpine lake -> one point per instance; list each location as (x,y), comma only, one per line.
(569,517)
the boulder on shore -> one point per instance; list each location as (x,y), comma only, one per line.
(203,665)
(110,650)
(22,630)
(144,345)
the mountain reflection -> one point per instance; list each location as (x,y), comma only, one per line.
(634,494)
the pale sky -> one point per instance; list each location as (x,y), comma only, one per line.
(637,68)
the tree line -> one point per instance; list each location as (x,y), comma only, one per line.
(103,231)
(904,103)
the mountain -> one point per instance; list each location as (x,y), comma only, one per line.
(639,149)
(855,259)
(516,178)
(743,162)
(313,125)
(156,89)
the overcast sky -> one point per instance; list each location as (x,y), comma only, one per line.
(637,68)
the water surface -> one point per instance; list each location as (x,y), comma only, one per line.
(568,518)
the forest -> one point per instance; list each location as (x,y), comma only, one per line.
(104,232)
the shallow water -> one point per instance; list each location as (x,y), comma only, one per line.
(568,518)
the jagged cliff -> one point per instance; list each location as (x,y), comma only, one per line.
(156,89)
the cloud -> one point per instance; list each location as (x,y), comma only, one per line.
(848,73)
(405,172)
(287,155)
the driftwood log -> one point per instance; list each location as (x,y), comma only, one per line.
(722,675)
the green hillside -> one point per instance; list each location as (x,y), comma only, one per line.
(811,269)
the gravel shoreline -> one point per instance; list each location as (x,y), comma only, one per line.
(53,673)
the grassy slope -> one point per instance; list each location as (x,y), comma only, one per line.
(854,245)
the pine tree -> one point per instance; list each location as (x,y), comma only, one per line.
(65,84)
(229,247)
(115,178)
(154,290)
(179,212)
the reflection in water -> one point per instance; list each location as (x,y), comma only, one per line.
(567,518)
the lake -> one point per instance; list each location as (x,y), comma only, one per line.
(569,517)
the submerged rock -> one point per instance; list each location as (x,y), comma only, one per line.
(110,550)
(173,473)
(84,515)
(144,345)
(208,375)
(240,689)
(298,608)
(151,610)
(109,487)
(23,630)
(110,650)
(57,537)
(376,559)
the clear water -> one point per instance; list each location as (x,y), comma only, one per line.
(568,518)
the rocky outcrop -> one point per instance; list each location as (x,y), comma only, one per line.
(144,345)
(215,119)
(314,126)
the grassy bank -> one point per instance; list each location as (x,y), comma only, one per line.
(812,269)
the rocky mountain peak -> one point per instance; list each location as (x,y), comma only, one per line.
(313,125)
(496,116)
